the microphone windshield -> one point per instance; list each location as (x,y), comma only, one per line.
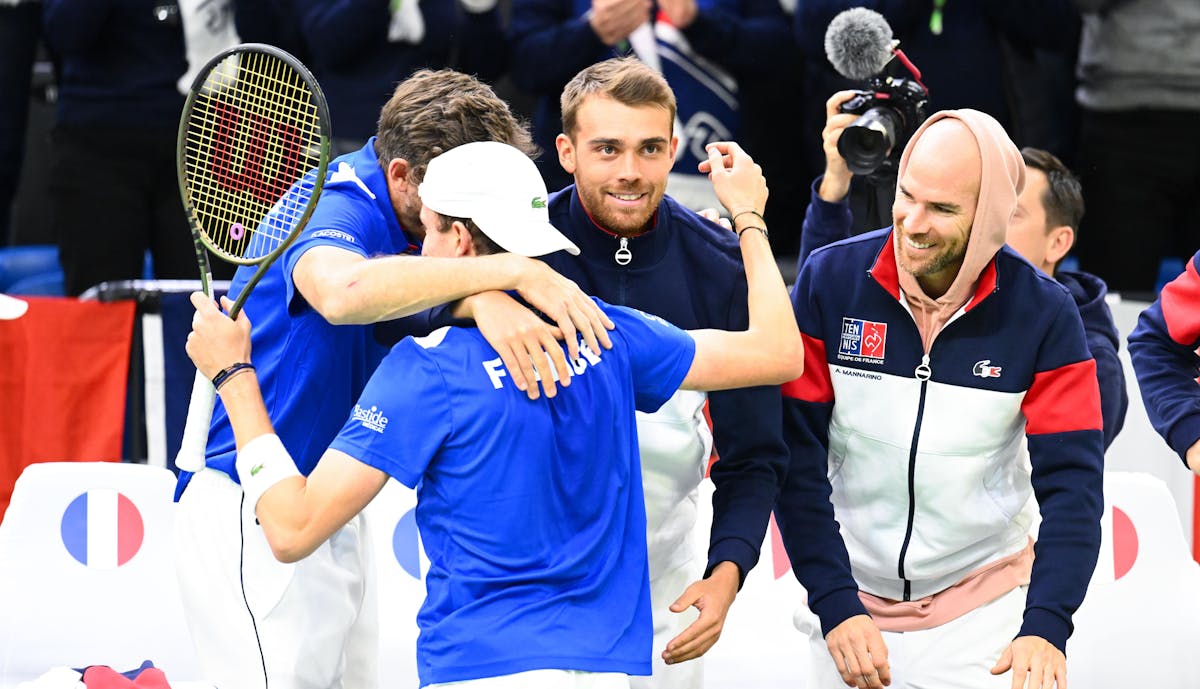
(858,43)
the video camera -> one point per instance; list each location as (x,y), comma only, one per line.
(859,44)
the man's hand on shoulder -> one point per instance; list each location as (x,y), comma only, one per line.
(714,216)
(861,656)
(527,345)
(1035,664)
(574,312)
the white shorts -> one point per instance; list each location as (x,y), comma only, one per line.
(960,653)
(257,622)
(544,679)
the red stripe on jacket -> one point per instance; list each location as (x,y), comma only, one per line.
(1181,306)
(814,385)
(1063,399)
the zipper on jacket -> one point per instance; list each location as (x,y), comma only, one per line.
(923,373)
(623,255)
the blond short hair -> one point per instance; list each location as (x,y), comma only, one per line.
(626,80)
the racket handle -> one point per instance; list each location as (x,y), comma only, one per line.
(195,432)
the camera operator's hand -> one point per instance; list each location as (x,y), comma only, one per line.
(835,185)
(614,20)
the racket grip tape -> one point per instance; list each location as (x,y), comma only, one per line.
(195,432)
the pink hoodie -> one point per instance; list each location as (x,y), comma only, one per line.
(1001,181)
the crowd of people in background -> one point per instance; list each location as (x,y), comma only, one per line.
(1110,87)
(634,107)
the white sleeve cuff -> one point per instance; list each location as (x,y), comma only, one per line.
(261,463)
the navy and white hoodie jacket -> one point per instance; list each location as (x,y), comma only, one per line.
(930,470)
(1163,349)
(827,222)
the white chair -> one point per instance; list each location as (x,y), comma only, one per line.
(1136,628)
(87,575)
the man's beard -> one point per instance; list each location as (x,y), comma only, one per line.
(623,224)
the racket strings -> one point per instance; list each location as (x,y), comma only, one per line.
(254,136)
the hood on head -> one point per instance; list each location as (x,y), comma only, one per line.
(1001,181)
(1002,178)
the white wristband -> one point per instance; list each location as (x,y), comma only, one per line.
(261,463)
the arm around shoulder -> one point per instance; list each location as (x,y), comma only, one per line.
(347,288)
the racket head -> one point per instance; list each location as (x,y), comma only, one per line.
(253,151)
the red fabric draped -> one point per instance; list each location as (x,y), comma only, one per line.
(63,372)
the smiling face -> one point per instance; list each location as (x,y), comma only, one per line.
(935,205)
(620,156)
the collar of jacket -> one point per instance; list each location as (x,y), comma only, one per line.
(884,271)
(646,249)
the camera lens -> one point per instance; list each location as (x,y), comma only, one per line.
(866,142)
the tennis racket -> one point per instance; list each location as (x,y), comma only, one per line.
(253,149)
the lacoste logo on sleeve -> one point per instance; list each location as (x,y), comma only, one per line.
(256,468)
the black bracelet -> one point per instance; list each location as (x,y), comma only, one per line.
(225,374)
(753,227)
(741,213)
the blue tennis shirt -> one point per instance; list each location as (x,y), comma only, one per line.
(309,370)
(531,511)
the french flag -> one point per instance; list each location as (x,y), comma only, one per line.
(102,529)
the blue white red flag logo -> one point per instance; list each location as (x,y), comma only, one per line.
(984,369)
(862,339)
(102,529)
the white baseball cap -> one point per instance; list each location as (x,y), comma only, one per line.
(499,188)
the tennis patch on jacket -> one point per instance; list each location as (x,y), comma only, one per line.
(102,529)
(862,340)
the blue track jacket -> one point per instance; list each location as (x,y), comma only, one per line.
(1163,349)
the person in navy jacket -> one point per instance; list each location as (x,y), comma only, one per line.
(1163,348)
(640,248)
(717,55)
(1043,229)
(947,383)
